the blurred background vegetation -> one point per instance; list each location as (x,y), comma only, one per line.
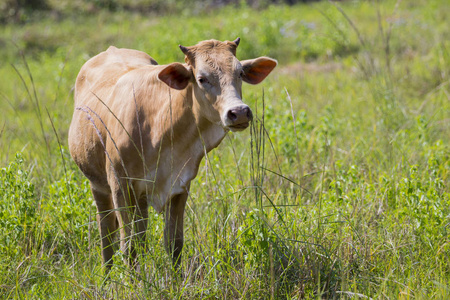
(22,10)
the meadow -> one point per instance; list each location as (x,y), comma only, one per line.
(340,188)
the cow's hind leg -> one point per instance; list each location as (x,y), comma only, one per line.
(173,231)
(107,224)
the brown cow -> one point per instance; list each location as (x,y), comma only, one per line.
(140,130)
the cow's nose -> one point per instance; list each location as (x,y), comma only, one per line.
(240,114)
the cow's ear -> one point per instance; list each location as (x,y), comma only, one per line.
(256,70)
(175,75)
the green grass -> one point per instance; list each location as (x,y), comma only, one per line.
(339,190)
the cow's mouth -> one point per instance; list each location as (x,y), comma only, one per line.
(239,127)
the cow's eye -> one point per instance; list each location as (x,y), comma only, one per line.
(202,80)
(241,75)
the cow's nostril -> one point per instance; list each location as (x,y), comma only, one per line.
(249,113)
(232,116)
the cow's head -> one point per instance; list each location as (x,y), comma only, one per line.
(217,75)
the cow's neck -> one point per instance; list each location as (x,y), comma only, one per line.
(189,137)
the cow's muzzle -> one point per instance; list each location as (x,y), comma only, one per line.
(238,118)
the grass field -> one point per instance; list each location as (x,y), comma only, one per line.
(340,189)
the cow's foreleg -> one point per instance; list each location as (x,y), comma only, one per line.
(107,224)
(132,213)
(173,231)
(140,224)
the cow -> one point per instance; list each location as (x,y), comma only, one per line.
(140,130)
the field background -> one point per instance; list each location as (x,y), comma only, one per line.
(341,188)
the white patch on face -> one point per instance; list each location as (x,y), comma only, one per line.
(219,93)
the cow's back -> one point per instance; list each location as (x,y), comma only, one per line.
(99,74)
(93,88)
